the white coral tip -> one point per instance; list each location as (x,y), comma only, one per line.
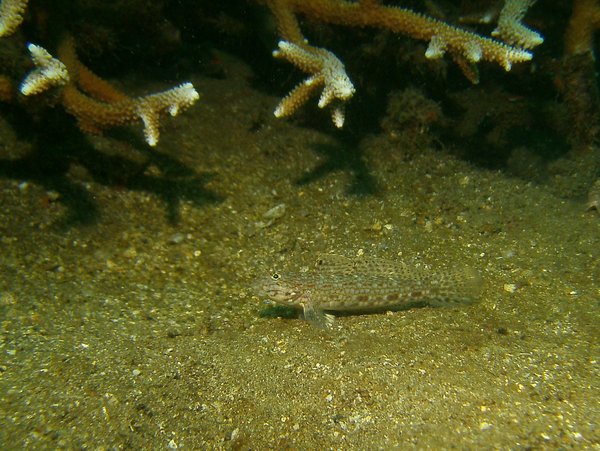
(473,52)
(436,48)
(48,72)
(278,111)
(338,117)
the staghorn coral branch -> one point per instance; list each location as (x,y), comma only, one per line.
(464,47)
(287,24)
(11,15)
(327,72)
(511,30)
(442,36)
(95,103)
(87,81)
(48,72)
(93,116)
(172,101)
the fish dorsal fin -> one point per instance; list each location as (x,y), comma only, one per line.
(332,263)
(375,267)
(383,267)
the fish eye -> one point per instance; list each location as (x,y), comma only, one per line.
(275,276)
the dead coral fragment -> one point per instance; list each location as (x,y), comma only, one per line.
(327,72)
(11,15)
(48,72)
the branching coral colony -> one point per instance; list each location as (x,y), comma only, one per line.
(97,105)
(94,102)
(326,71)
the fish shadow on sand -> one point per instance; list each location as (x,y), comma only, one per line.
(285,312)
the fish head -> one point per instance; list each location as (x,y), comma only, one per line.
(277,289)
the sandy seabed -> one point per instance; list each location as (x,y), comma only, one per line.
(128,319)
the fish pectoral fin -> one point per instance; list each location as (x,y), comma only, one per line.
(316,316)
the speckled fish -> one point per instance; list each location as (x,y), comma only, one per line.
(338,283)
